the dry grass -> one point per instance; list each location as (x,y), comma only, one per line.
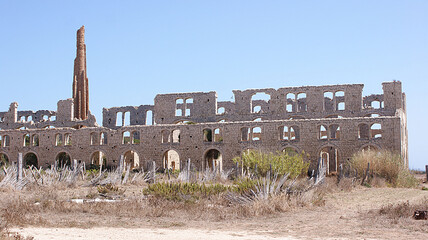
(384,164)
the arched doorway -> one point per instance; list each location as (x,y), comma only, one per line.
(213,159)
(98,159)
(370,148)
(171,160)
(4,159)
(131,158)
(290,151)
(329,158)
(63,159)
(30,159)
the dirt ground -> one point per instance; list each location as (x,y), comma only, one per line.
(350,214)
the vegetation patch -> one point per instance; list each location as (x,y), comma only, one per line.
(279,162)
(384,164)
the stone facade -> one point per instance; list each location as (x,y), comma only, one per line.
(332,122)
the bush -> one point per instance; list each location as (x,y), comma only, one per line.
(184,191)
(281,162)
(384,164)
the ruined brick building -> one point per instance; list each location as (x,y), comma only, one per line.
(332,122)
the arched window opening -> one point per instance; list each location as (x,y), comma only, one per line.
(221,110)
(285,133)
(45,118)
(334,131)
(293,135)
(22,119)
(35,140)
(27,140)
(176,136)
(119,119)
(136,137)
(189,102)
(376,130)
(289,107)
(103,138)
(328,101)
(127,119)
(126,137)
(149,117)
(179,107)
(166,137)
(301,102)
(257,133)
(208,135)
(375,104)
(52,118)
(322,133)
(67,139)
(257,120)
(341,106)
(363,131)
(58,139)
(257,109)
(6,141)
(245,134)
(217,135)
(30,118)
(93,138)
(171,160)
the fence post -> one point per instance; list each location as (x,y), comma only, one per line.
(188,169)
(426,172)
(153,171)
(121,164)
(19,168)
(74,165)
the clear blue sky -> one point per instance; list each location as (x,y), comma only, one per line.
(136,49)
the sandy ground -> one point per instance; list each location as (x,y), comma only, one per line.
(345,215)
(142,233)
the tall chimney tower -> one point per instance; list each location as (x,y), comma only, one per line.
(80,79)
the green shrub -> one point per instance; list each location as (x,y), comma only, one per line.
(384,164)
(281,162)
(184,191)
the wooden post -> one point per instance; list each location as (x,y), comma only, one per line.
(188,169)
(121,164)
(74,165)
(426,172)
(153,171)
(366,173)
(19,168)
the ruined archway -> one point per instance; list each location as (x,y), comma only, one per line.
(330,158)
(63,159)
(131,158)
(290,151)
(4,159)
(98,159)
(30,159)
(213,159)
(171,160)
